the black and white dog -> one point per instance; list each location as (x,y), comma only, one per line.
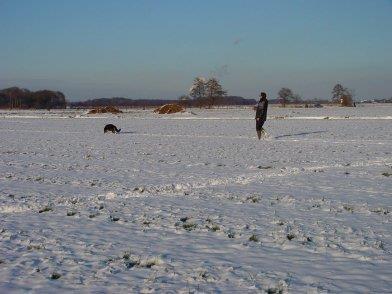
(111,128)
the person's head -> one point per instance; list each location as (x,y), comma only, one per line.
(263,96)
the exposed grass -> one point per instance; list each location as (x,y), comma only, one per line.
(114,218)
(290,236)
(253,238)
(139,262)
(380,210)
(189,226)
(150,262)
(45,209)
(213,228)
(55,276)
(71,213)
(184,219)
(146,223)
(264,167)
(253,199)
(126,255)
(131,263)
(274,291)
(35,247)
(348,208)
(231,235)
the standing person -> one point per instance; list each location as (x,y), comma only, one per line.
(261,114)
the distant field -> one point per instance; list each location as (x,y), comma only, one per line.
(194,202)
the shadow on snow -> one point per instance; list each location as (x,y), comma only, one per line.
(299,134)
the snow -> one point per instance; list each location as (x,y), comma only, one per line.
(195,203)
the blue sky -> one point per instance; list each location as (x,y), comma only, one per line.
(154,49)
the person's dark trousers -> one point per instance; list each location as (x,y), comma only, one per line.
(259,127)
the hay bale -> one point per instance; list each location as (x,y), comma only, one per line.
(106,109)
(169,109)
(112,109)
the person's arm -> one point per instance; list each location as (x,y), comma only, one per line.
(257,116)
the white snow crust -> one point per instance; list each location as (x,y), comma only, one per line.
(194,203)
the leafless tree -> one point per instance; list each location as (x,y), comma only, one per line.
(285,94)
(184,100)
(214,91)
(198,90)
(342,95)
(338,92)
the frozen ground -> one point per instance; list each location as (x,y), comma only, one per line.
(195,203)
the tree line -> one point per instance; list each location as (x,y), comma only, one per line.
(210,92)
(142,103)
(340,95)
(24,99)
(202,93)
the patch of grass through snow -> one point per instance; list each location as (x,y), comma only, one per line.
(55,276)
(45,209)
(189,226)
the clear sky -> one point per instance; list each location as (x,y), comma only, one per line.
(154,49)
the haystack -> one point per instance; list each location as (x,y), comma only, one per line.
(169,108)
(106,109)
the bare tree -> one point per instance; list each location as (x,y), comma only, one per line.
(214,91)
(198,90)
(347,99)
(285,94)
(338,92)
(184,100)
(297,98)
(342,95)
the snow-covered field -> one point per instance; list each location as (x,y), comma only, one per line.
(195,203)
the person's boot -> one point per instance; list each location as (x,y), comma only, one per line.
(258,134)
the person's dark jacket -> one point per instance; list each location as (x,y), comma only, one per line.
(261,110)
